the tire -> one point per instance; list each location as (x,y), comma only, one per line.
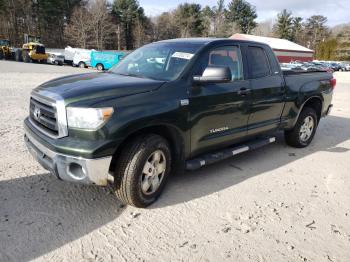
(26,57)
(132,185)
(1,54)
(302,134)
(81,64)
(99,67)
(18,55)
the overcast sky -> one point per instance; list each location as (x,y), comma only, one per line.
(337,11)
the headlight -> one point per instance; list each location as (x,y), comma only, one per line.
(88,118)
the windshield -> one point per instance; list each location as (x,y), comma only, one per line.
(39,49)
(4,42)
(160,61)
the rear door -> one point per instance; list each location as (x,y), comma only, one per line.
(267,87)
(219,111)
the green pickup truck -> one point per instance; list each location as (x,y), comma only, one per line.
(171,106)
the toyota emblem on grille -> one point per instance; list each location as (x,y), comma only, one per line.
(36,113)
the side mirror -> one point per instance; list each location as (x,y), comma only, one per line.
(214,74)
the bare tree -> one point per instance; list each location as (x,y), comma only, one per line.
(165,26)
(78,30)
(101,23)
(264,28)
(139,33)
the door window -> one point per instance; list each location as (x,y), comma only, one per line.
(229,56)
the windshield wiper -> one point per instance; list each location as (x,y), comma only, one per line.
(139,76)
(133,75)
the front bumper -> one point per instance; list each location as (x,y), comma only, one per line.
(69,168)
(39,56)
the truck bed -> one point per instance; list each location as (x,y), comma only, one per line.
(301,72)
(295,80)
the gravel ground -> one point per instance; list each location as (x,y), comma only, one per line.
(274,204)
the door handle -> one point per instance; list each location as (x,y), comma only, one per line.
(244,91)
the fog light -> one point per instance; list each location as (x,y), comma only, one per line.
(76,170)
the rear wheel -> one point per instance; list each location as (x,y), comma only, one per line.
(142,170)
(99,67)
(304,130)
(18,55)
(25,56)
(81,64)
(1,54)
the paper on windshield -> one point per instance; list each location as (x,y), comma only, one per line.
(182,55)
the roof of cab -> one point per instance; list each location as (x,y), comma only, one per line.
(207,40)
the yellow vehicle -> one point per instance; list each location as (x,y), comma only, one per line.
(32,50)
(5,51)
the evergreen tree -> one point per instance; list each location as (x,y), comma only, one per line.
(52,15)
(284,26)
(297,30)
(189,19)
(208,21)
(127,12)
(316,30)
(243,14)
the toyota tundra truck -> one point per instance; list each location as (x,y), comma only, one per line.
(171,106)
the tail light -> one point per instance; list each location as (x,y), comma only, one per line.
(333,82)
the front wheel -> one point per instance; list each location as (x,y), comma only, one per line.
(26,58)
(100,67)
(18,55)
(81,65)
(142,170)
(304,130)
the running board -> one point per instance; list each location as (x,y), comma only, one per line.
(211,158)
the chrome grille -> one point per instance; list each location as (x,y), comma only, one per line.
(44,116)
(48,115)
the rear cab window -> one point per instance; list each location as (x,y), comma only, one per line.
(259,65)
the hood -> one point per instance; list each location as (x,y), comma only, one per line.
(98,85)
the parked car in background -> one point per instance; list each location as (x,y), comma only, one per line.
(323,67)
(290,66)
(55,59)
(104,60)
(306,66)
(347,66)
(335,66)
(342,67)
(82,58)
(69,53)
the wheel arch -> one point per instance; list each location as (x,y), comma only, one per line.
(314,102)
(170,133)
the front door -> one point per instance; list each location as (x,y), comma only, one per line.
(219,111)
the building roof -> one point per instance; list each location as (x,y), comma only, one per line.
(274,43)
